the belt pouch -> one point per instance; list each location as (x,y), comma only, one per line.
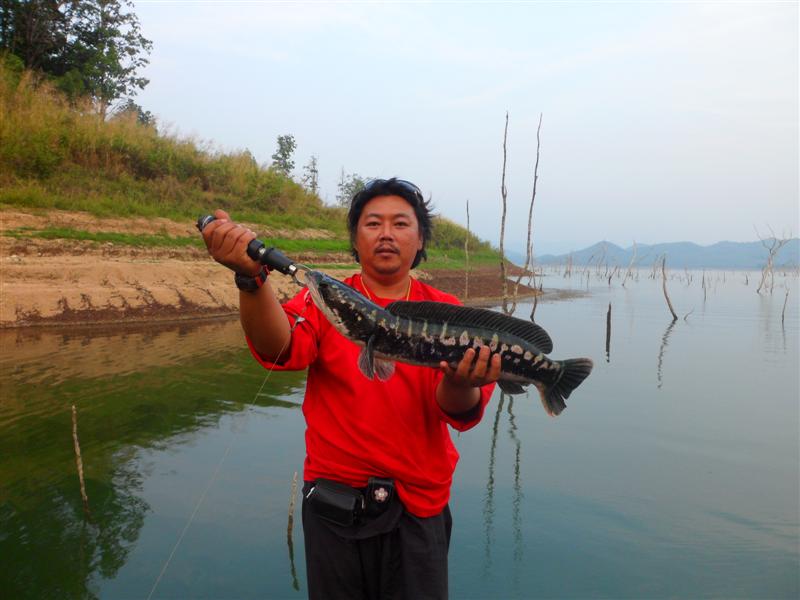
(335,502)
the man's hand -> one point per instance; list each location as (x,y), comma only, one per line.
(458,391)
(485,370)
(227,244)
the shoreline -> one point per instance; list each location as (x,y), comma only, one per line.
(68,283)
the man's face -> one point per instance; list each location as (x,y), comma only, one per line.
(387,235)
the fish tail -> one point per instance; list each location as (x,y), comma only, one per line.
(573,372)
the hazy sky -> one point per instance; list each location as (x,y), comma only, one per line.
(668,121)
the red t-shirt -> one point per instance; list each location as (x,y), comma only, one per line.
(358,428)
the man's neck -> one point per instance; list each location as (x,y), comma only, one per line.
(387,287)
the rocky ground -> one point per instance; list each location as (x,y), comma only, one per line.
(55,282)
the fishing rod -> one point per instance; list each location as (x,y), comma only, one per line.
(270,257)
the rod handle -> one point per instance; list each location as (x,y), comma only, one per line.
(257,250)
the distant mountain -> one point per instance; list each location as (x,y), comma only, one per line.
(722,255)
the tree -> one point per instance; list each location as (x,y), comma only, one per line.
(91,47)
(773,245)
(35,31)
(349,186)
(282,159)
(107,49)
(311,176)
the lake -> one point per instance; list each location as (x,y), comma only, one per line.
(672,473)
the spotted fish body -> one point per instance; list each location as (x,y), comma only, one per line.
(427,333)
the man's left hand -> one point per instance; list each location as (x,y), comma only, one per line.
(486,369)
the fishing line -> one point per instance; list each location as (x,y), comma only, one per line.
(299,319)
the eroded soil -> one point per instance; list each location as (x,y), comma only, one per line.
(79,282)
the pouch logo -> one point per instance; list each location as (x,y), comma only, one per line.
(380,495)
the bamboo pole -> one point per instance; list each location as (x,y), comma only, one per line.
(78,459)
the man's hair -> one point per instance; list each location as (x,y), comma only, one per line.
(392,187)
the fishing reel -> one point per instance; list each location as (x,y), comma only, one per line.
(271,257)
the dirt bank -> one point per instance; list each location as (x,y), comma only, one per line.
(54,282)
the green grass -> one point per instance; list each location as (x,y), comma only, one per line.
(124,239)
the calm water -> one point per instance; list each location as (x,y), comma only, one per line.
(673,472)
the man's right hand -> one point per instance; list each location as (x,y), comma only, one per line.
(227,244)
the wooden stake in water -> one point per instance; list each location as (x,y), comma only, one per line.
(608,333)
(783,312)
(78,459)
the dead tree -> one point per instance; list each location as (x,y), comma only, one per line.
(504,196)
(773,246)
(664,283)
(466,258)
(630,265)
(529,245)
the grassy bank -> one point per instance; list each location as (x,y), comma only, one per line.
(57,154)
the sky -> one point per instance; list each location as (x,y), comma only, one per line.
(661,121)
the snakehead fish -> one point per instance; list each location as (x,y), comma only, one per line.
(426,333)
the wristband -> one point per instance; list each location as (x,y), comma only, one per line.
(251,284)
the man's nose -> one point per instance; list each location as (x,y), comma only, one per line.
(386,231)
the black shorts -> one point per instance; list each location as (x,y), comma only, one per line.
(393,555)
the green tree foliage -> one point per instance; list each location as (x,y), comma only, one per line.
(91,47)
(282,159)
(35,31)
(349,186)
(311,176)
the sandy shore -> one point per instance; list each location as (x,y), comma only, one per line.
(58,282)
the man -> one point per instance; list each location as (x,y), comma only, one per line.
(379,458)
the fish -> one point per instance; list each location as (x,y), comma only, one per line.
(425,333)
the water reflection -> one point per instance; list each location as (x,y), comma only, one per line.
(516,518)
(633,499)
(662,350)
(488,501)
(134,390)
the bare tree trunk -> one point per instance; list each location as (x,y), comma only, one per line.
(504,196)
(79,460)
(664,282)
(529,245)
(630,265)
(466,258)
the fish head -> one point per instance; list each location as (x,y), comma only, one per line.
(351,314)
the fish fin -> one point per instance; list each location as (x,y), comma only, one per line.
(466,316)
(384,369)
(510,387)
(573,372)
(366,360)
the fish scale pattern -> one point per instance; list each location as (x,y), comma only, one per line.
(465,316)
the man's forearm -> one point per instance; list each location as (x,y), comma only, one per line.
(456,399)
(264,322)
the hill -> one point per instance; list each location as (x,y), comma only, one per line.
(97,216)
(722,255)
